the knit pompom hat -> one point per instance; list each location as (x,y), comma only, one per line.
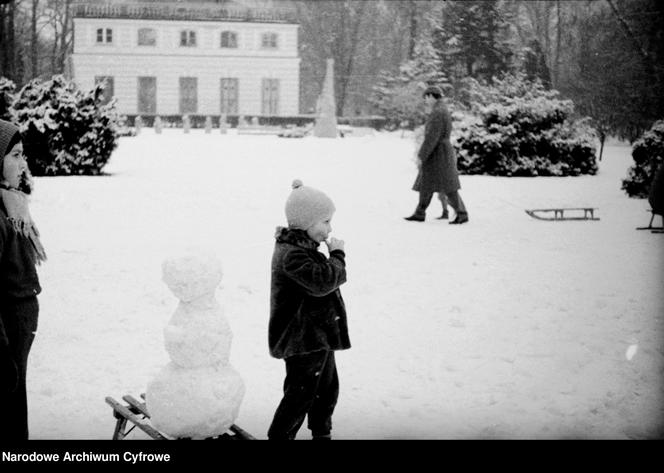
(9,136)
(307,206)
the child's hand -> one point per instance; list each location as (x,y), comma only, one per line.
(335,244)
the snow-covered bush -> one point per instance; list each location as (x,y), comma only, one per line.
(648,155)
(67,131)
(522,130)
(7,88)
(473,95)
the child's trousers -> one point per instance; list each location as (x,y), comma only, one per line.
(20,321)
(311,389)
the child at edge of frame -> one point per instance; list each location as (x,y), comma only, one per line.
(20,252)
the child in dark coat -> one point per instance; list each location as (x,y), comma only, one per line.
(307,314)
(20,251)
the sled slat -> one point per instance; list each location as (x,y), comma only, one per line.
(129,415)
(242,434)
(136,404)
(136,408)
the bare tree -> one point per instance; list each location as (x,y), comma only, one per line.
(643,53)
(331,29)
(59,19)
(8,40)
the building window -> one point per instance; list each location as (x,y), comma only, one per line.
(147,95)
(270,102)
(104,35)
(147,37)
(269,41)
(108,88)
(188,95)
(188,38)
(228,39)
(229,96)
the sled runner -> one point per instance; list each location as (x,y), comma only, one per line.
(559,213)
(136,412)
(659,229)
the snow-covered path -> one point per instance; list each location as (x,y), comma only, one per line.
(507,327)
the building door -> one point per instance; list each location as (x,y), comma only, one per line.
(270,97)
(147,95)
(229,96)
(188,95)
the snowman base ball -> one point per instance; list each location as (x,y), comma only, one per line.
(194,403)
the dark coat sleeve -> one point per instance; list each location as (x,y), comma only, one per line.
(656,194)
(4,341)
(316,278)
(433,132)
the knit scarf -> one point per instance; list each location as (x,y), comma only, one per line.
(18,213)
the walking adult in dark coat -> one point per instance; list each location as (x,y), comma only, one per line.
(438,170)
(656,194)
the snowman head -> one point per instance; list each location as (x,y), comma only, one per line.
(192,274)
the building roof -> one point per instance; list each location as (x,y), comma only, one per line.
(185,10)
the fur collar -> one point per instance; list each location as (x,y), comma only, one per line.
(295,237)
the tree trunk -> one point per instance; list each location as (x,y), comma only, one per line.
(65,37)
(3,40)
(34,49)
(351,40)
(412,37)
(556,63)
(9,44)
(54,50)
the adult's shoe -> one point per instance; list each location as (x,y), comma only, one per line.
(460,218)
(415,218)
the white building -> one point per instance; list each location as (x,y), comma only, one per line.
(196,58)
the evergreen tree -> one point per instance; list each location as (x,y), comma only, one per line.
(398,96)
(472,38)
(7,89)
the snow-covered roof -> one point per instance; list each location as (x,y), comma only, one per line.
(190,11)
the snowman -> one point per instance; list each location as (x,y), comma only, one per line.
(198,394)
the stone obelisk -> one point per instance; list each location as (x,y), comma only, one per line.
(326,118)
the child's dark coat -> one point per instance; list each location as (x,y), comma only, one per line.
(307,312)
(19,309)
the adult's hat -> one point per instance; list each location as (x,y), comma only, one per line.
(433,90)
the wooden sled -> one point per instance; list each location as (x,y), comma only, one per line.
(137,414)
(659,229)
(559,213)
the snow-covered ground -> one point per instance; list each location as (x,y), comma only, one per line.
(506,327)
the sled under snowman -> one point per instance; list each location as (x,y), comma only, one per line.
(135,414)
(197,394)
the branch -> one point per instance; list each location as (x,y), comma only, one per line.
(630,35)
